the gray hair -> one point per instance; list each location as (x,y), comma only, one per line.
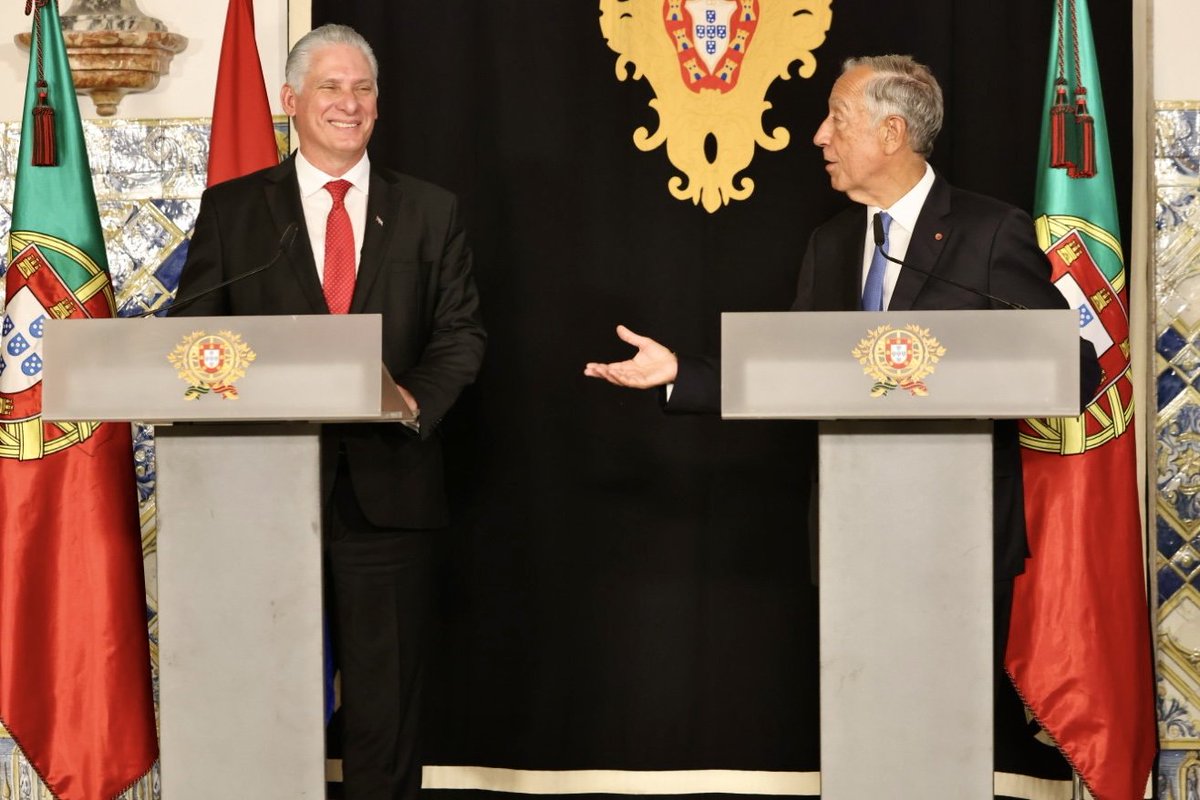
(904,88)
(300,57)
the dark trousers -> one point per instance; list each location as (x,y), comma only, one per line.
(377,594)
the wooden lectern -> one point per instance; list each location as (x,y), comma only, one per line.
(905,401)
(239,520)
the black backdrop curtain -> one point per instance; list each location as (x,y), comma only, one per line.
(623,589)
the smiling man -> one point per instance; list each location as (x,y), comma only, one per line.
(370,241)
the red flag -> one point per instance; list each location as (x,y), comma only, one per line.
(243,136)
(75,688)
(1079,646)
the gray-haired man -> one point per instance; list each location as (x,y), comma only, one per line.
(372,242)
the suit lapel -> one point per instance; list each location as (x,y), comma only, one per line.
(283,199)
(383,200)
(934,228)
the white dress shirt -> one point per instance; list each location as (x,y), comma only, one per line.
(904,213)
(317,203)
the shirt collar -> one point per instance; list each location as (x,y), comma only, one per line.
(313,180)
(906,210)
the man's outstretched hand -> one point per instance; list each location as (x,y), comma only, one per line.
(652,365)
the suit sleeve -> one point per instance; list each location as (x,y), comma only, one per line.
(697,388)
(203,267)
(804,283)
(454,348)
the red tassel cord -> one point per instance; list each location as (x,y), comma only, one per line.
(1058,125)
(1081,137)
(1085,152)
(45,143)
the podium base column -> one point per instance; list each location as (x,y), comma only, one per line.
(240,634)
(906,610)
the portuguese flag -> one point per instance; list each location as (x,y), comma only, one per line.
(1079,649)
(75,688)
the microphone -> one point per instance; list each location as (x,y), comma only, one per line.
(285,244)
(877,224)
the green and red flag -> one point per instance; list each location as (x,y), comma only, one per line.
(1079,648)
(243,135)
(75,688)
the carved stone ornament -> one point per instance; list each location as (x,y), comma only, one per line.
(114,49)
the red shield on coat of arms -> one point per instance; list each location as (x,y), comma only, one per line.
(212,356)
(899,352)
(711,38)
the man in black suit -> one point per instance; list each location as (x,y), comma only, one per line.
(370,241)
(884,114)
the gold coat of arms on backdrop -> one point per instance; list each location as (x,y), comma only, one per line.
(710,63)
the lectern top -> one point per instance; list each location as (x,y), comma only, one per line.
(316,368)
(900,365)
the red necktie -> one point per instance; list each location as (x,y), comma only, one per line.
(339,251)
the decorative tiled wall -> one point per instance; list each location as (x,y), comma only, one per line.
(148,176)
(1176,468)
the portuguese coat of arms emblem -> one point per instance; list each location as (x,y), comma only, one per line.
(899,358)
(210,362)
(37,292)
(1082,255)
(710,63)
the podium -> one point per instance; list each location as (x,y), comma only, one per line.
(905,402)
(239,521)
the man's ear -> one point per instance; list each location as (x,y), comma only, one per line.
(895,133)
(287,98)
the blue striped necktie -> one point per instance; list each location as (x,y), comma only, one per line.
(872,297)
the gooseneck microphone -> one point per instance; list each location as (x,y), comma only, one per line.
(877,224)
(285,244)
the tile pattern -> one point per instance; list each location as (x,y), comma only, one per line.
(1176,372)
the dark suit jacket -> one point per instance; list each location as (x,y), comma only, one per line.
(415,271)
(971,239)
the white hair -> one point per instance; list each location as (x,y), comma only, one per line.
(300,58)
(904,88)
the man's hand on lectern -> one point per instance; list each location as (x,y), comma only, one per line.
(409,400)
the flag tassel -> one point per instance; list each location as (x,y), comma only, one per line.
(45,149)
(1085,162)
(1058,126)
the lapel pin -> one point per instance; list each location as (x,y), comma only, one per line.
(937,236)
(379,221)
